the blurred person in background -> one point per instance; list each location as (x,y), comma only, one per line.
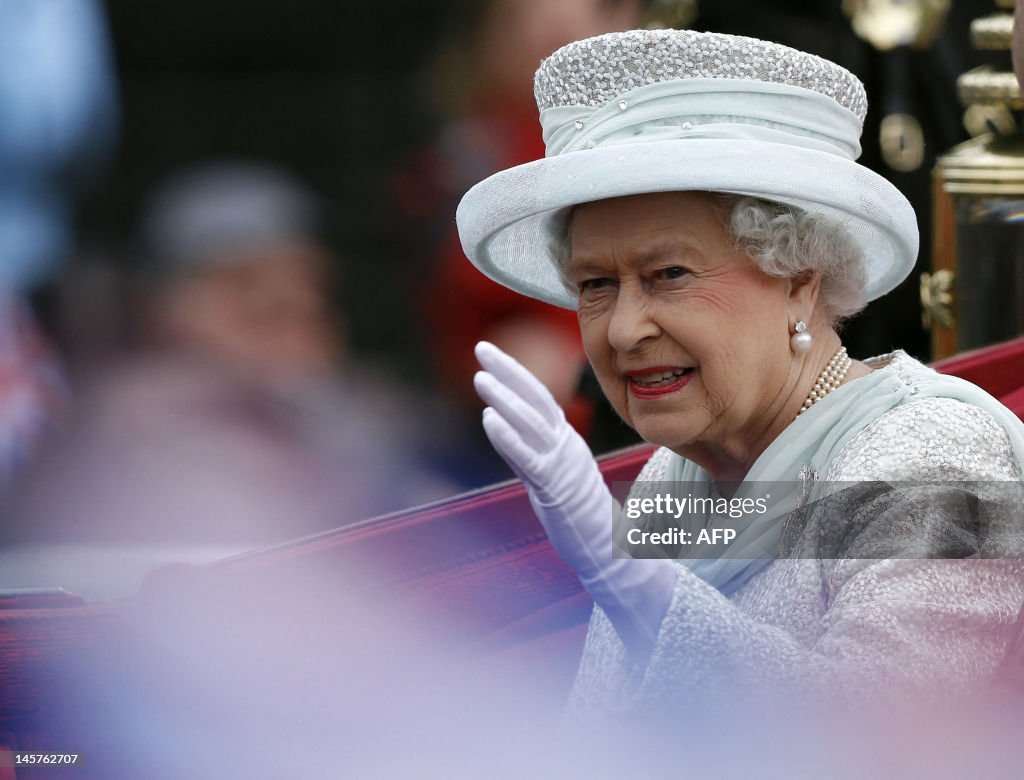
(240,422)
(57,98)
(238,275)
(483,86)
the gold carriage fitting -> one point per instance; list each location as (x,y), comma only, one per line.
(975,293)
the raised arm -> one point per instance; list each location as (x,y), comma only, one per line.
(529,430)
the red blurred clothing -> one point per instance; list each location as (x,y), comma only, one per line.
(461,306)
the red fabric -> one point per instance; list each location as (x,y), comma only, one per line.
(460,305)
(998,369)
(463,306)
(1015,402)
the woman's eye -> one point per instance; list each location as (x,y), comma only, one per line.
(673,272)
(593,285)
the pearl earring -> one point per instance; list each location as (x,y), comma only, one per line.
(801,340)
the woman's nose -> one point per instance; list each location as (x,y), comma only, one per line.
(631,322)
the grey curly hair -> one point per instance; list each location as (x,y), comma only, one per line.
(782,241)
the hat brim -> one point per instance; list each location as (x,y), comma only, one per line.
(509,222)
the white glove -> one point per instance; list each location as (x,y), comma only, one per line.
(569,495)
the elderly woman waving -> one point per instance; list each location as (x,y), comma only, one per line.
(700,208)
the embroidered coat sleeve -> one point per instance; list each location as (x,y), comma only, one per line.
(890,626)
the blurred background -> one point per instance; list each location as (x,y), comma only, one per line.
(234,305)
(234,313)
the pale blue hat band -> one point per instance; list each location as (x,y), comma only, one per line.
(707,108)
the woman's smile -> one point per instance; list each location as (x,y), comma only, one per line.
(651,383)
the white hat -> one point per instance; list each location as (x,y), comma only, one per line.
(664,110)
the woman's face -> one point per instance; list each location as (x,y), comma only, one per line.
(689,340)
(263,310)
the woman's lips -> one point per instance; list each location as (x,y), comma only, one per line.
(646,391)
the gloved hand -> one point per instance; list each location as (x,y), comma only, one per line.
(529,430)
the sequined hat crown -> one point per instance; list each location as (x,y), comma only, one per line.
(598,70)
(665,110)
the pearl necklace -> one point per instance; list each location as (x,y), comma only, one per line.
(833,375)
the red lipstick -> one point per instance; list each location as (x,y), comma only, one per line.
(657,391)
